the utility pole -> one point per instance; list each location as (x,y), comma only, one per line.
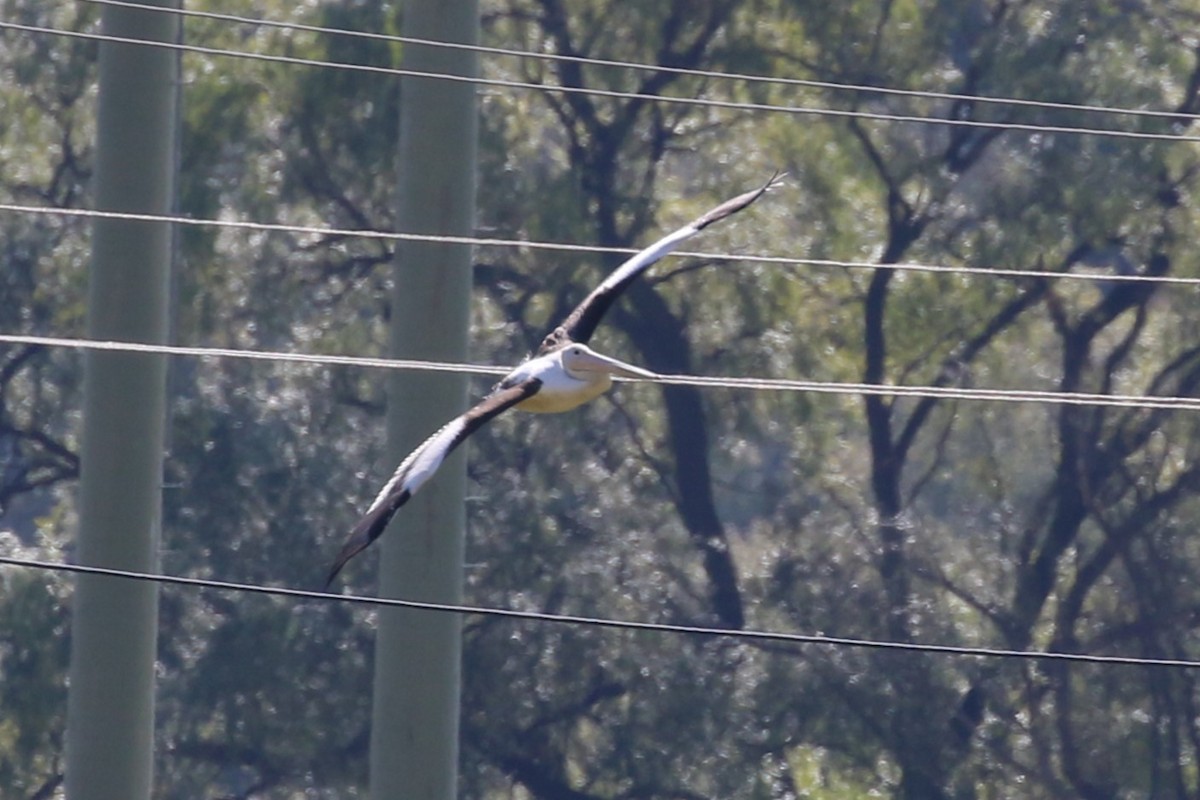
(414,727)
(110,709)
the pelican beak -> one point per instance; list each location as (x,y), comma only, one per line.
(591,361)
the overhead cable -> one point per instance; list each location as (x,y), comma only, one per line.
(541,87)
(586,248)
(753,384)
(601,622)
(740,77)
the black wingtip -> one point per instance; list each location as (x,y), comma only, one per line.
(730,207)
(354,545)
(342,558)
(369,528)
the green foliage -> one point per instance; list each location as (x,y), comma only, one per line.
(956,522)
(33,661)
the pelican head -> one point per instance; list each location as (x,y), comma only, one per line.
(585,364)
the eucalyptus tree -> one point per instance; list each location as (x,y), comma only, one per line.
(45,144)
(955,521)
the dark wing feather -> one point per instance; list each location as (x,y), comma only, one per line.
(581,323)
(421,464)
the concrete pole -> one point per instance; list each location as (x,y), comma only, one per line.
(110,710)
(414,734)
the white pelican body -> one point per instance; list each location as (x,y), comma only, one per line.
(570,376)
(564,373)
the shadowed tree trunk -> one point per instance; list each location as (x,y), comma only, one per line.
(601,147)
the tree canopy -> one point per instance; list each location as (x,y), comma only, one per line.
(978,197)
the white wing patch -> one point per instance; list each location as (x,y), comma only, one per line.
(647,257)
(669,242)
(422,462)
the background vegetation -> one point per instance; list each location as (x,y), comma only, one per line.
(1030,525)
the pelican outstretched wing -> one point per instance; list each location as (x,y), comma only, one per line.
(420,465)
(581,323)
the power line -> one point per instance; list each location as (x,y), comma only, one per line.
(1186,403)
(789,261)
(642,67)
(601,622)
(611,93)
(753,384)
(253,355)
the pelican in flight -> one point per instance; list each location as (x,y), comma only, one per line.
(564,373)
